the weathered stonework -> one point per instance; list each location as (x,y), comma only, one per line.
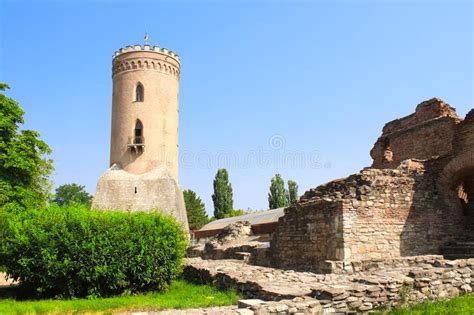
(417,197)
(151,191)
(428,133)
(406,281)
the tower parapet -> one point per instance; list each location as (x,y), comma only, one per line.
(155,48)
(146,57)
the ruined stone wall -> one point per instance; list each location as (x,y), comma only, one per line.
(399,214)
(309,233)
(464,140)
(417,197)
(408,280)
(426,134)
(374,214)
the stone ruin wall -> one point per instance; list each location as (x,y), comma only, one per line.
(305,237)
(372,285)
(399,207)
(426,134)
(372,215)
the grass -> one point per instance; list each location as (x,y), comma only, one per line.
(181,294)
(463,305)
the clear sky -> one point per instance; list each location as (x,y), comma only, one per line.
(301,88)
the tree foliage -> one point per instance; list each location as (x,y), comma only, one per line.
(235,213)
(197,216)
(292,192)
(72,194)
(24,166)
(222,197)
(277,197)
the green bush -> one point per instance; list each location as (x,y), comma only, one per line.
(76,252)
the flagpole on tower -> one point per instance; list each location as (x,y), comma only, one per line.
(146,38)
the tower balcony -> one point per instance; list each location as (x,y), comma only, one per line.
(136,143)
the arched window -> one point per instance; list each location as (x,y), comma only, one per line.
(138,129)
(139,93)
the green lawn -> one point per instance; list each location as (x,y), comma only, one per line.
(463,305)
(180,295)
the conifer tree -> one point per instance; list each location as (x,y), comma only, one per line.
(222,197)
(197,216)
(292,192)
(277,197)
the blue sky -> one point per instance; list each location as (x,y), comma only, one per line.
(301,88)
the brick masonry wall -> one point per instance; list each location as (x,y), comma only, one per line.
(306,237)
(426,134)
(399,214)
(407,204)
(465,134)
(374,214)
(428,140)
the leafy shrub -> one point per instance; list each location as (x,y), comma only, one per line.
(77,252)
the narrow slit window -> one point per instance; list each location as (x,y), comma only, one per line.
(138,132)
(139,93)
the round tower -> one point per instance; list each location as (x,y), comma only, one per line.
(143,173)
(145,109)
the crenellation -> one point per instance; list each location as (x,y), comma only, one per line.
(147,48)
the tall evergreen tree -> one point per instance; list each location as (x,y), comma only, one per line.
(222,197)
(197,216)
(277,197)
(292,192)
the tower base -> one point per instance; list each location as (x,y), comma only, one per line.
(152,191)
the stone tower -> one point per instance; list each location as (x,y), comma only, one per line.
(143,173)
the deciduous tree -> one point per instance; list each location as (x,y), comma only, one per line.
(24,165)
(72,194)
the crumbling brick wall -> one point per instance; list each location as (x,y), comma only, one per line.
(407,204)
(374,214)
(464,139)
(305,237)
(400,214)
(426,134)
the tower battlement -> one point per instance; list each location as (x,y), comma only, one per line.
(144,57)
(138,47)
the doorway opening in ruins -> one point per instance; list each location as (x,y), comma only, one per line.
(465,191)
(456,185)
